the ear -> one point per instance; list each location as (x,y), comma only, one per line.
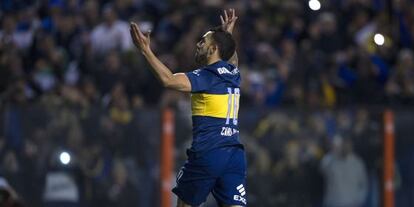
(212,49)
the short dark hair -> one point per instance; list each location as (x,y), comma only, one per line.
(224,41)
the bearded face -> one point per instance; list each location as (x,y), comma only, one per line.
(201,56)
(203,45)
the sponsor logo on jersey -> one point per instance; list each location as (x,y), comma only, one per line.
(224,70)
(197,72)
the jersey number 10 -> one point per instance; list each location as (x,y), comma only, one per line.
(233,105)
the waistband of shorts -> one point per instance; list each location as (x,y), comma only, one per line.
(191,154)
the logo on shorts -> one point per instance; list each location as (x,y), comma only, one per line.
(180,174)
(242,192)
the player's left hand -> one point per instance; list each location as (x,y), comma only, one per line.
(229,20)
(140,40)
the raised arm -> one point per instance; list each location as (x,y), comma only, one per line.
(228,22)
(177,81)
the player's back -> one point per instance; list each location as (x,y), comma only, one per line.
(215,104)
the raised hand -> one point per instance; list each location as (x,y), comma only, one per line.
(140,40)
(229,19)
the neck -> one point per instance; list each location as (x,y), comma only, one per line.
(212,60)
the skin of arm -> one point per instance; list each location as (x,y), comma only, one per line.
(177,81)
(228,20)
(234,60)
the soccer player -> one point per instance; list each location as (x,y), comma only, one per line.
(216,160)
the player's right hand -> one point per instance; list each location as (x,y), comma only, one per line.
(140,40)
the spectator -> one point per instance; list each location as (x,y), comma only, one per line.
(17,34)
(112,34)
(121,192)
(292,178)
(111,73)
(400,87)
(61,187)
(61,190)
(346,182)
(8,196)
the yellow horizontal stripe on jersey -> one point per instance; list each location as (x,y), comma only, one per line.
(213,105)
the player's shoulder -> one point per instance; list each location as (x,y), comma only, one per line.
(223,68)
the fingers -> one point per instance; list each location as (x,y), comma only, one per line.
(148,34)
(137,30)
(232,14)
(138,37)
(229,16)
(134,35)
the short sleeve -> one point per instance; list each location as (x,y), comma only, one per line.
(201,80)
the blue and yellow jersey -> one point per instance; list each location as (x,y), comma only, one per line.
(215,97)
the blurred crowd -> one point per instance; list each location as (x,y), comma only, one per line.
(288,53)
(320,158)
(59,153)
(71,80)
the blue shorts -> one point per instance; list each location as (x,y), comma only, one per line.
(220,171)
